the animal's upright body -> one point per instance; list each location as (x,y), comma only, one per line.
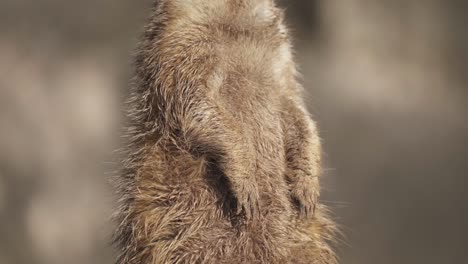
(222,162)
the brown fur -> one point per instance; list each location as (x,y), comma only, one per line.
(223,159)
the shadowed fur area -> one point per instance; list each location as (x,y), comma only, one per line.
(222,160)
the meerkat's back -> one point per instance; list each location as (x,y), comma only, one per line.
(222,161)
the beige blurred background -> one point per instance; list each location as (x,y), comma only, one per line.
(387,81)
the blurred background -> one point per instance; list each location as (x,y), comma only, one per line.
(386,80)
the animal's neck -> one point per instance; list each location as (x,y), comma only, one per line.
(201,10)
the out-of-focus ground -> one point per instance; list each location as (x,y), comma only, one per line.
(387,81)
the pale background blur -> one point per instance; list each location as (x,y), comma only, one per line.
(387,81)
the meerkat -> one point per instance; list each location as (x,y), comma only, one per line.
(222,160)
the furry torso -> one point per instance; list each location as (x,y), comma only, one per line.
(214,81)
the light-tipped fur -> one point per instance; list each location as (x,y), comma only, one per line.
(222,159)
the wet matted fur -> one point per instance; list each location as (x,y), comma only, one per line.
(222,159)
